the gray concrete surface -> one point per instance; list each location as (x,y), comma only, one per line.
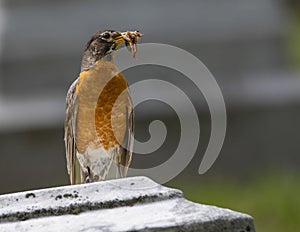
(131,204)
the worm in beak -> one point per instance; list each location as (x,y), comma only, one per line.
(131,40)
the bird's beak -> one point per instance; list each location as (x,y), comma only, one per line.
(119,39)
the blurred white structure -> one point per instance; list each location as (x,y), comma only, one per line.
(43,42)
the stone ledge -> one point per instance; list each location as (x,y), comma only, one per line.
(74,199)
(131,204)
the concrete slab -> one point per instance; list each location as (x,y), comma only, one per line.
(131,204)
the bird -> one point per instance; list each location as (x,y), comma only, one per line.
(99,112)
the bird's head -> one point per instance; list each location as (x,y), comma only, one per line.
(102,44)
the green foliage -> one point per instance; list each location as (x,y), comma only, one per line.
(272,200)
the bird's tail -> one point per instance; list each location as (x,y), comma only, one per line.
(122,171)
(75,177)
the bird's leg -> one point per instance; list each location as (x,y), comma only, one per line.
(86,176)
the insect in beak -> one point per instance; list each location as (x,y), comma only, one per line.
(131,40)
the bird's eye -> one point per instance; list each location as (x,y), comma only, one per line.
(105,35)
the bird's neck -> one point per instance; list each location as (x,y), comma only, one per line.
(90,58)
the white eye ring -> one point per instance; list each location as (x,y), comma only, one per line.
(105,35)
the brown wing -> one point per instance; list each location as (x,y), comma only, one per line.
(125,155)
(70,126)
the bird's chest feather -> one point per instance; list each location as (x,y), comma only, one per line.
(102,100)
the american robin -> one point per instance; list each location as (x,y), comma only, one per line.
(99,112)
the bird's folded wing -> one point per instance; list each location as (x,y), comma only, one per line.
(69,137)
(125,155)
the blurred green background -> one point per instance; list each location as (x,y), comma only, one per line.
(271,198)
(251,47)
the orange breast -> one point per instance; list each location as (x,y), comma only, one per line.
(101,118)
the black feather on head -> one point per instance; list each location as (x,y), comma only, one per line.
(99,45)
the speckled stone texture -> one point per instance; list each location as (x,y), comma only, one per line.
(131,204)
